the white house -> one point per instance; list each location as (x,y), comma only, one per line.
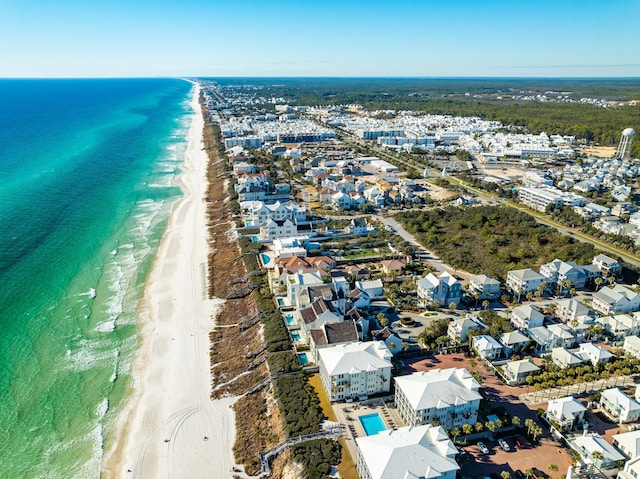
(484,286)
(487,347)
(631,469)
(558,271)
(448,396)
(616,299)
(567,412)
(608,266)
(619,406)
(526,317)
(523,281)
(563,358)
(513,342)
(409,452)
(620,326)
(594,354)
(355,370)
(588,444)
(628,443)
(444,289)
(459,328)
(569,309)
(516,372)
(373,287)
(632,345)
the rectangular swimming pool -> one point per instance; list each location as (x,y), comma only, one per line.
(372,423)
(295,336)
(290,319)
(303,358)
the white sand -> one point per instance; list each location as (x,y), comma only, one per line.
(161,433)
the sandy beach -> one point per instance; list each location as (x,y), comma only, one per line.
(170,428)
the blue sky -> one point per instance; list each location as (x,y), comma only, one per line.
(495,38)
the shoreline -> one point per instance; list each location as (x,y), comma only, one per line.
(169,426)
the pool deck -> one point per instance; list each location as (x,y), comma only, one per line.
(347,414)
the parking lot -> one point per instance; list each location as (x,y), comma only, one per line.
(540,456)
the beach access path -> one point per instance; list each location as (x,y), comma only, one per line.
(170,428)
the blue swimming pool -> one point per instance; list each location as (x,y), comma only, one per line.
(295,336)
(255,239)
(280,302)
(372,423)
(303,358)
(265,258)
(290,319)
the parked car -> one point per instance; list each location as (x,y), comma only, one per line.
(483,448)
(519,474)
(504,445)
(519,443)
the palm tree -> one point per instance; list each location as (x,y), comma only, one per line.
(528,472)
(455,432)
(505,475)
(492,426)
(597,455)
(515,420)
(598,282)
(572,292)
(479,427)
(467,429)
(541,289)
(485,304)
(536,431)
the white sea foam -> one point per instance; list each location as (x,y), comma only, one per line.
(89,354)
(114,374)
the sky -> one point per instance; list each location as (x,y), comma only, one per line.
(400,38)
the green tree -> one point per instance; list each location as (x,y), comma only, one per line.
(479,427)
(383,321)
(467,429)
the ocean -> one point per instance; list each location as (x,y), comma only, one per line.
(88,174)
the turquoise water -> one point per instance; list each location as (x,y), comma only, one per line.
(265,258)
(289,319)
(295,336)
(89,170)
(372,423)
(303,358)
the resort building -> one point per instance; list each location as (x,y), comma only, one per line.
(540,197)
(355,370)
(409,452)
(448,397)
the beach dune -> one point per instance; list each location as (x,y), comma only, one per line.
(170,428)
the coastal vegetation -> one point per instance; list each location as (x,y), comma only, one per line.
(492,240)
(299,405)
(317,457)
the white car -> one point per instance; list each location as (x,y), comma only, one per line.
(504,445)
(483,448)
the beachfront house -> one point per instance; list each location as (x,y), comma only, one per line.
(409,452)
(329,334)
(355,370)
(448,396)
(567,412)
